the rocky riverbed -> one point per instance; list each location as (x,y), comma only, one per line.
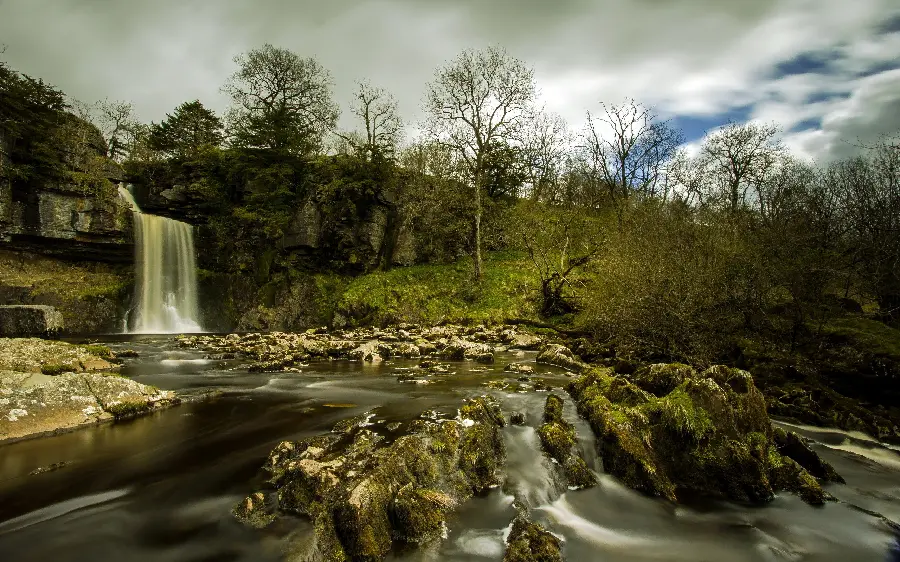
(443,443)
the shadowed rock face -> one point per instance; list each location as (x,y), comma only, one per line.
(22,321)
(704,434)
(364,494)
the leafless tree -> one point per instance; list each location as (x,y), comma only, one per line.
(545,148)
(382,125)
(477,101)
(627,149)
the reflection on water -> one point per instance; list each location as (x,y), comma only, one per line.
(161,487)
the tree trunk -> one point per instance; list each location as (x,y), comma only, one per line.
(477,256)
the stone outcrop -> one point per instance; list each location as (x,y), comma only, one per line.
(560,356)
(531,542)
(22,321)
(701,433)
(558,440)
(47,387)
(364,495)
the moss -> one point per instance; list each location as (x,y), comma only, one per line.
(531,542)
(553,409)
(678,413)
(128,409)
(432,294)
(418,515)
(102,351)
(787,475)
(557,438)
(53,369)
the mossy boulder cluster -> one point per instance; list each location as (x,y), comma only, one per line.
(558,440)
(278,351)
(672,432)
(366,493)
(531,542)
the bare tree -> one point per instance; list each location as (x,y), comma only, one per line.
(382,125)
(545,147)
(736,161)
(479,100)
(627,149)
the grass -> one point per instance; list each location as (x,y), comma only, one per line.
(864,333)
(443,293)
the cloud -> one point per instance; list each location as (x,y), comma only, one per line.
(819,67)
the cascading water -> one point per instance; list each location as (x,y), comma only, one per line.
(166,274)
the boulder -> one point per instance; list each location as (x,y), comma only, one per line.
(23,321)
(558,439)
(459,349)
(559,356)
(531,542)
(709,436)
(365,496)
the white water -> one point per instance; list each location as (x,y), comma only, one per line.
(166,274)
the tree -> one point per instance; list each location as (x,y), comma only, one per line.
(31,114)
(382,126)
(281,102)
(545,148)
(182,133)
(734,164)
(477,100)
(117,123)
(627,149)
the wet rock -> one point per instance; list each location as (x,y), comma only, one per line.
(791,445)
(710,435)
(34,404)
(517,418)
(460,349)
(531,542)
(662,378)
(519,368)
(519,340)
(558,439)
(367,352)
(559,356)
(365,495)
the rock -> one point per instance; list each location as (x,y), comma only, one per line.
(33,355)
(558,439)
(367,352)
(33,404)
(559,356)
(531,542)
(459,349)
(517,418)
(364,496)
(792,446)
(710,435)
(518,368)
(518,340)
(22,321)
(661,378)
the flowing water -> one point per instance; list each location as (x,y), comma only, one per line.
(165,274)
(160,488)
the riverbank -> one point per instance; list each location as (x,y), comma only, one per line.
(47,387)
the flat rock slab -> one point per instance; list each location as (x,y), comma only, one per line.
(30,354)
(33,404)
(20,321)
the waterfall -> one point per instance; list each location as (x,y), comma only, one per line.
(165,272)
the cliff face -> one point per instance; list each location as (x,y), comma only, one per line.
(66,219)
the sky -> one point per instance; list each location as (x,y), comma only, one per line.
(826,71)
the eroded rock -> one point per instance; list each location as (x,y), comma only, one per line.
(558,439)
(560,356)
(709,435)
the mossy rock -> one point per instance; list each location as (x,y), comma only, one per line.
(710,435)
(531,542)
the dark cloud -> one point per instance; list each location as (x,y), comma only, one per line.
(699,59)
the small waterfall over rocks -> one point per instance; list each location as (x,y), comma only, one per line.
(165,274)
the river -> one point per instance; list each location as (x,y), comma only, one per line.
(161,487)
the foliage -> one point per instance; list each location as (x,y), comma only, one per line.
(185,132)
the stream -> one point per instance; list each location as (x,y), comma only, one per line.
(161,487)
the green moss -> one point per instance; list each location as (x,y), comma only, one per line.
(553,409)
(865,334)
(557,438)
(417,515)
(128,409)
(431,294)
(102,351)
(531,542)
(53,369)
(678,413)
